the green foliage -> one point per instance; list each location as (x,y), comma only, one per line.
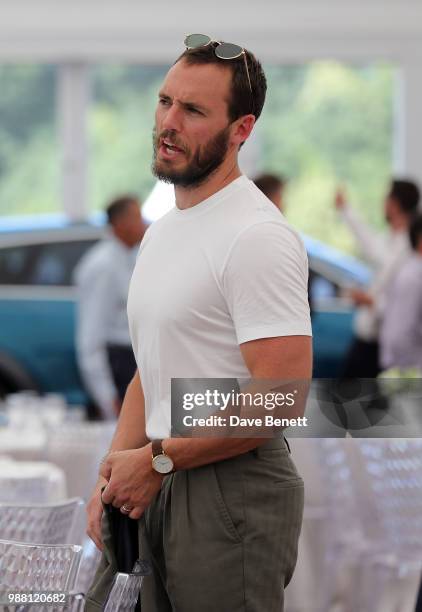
(329,125)
(29,160)
(323,124)
(121,122)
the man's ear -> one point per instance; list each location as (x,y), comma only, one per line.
(242,129)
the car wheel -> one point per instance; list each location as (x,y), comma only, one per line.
(4,389)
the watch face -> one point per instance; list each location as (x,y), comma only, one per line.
(162,464)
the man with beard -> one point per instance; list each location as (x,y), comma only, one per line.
(219,291)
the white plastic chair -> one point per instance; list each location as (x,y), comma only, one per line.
(364,543)
(38,568)
(390,489)
(123,594)
(344,535)
(126,589)
(90,560)
(305,586)
(42,523)
(78,449)
(331,538)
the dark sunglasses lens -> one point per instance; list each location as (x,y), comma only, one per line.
(228,51)
(196,40)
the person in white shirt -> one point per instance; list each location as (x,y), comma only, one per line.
(219,291)
(386,252)
(104,351)
(401,330)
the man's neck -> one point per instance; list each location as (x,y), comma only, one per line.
(186,198)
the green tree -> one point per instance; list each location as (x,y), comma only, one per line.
(121,121)
(29,157)
(323,124)
(334,127)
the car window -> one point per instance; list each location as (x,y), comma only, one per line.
(16,264)
(42,264)
(56,262)
(321,287)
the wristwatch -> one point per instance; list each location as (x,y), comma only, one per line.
(161,462)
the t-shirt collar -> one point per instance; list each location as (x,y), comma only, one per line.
(212,200)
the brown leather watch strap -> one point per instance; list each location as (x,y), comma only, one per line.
(157,448)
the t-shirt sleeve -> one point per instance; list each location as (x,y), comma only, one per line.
(265,280)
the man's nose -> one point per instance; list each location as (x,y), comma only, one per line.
(172,119)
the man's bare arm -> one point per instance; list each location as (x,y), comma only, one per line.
(281,358)
(130,431)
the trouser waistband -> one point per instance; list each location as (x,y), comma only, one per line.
(275,443)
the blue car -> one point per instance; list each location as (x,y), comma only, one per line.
(330,274)
(37,303)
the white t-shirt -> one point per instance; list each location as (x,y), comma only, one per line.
(207,279)
(386,252)
(102,278)
(401,330)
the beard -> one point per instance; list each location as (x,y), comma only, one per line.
(200,165)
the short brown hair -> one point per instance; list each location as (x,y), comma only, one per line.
(117,207)
(242,100)
(268,183)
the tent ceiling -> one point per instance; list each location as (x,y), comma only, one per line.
(278,31)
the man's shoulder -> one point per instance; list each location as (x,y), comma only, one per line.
(249,206)
(158,224)
(255,216)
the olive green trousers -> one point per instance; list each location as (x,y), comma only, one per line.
(224,537)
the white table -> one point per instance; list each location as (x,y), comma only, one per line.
(23,444)
(31,482)
(75,447)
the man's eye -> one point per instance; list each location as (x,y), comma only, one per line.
(164,102)
(194,110)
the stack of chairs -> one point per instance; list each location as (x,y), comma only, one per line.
(40,550)
(361,541)
(388,483)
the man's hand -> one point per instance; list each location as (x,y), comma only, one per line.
(132,482)
(360,297)
(340,199)
(94,511)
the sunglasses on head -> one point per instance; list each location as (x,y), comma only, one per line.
(223,50)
